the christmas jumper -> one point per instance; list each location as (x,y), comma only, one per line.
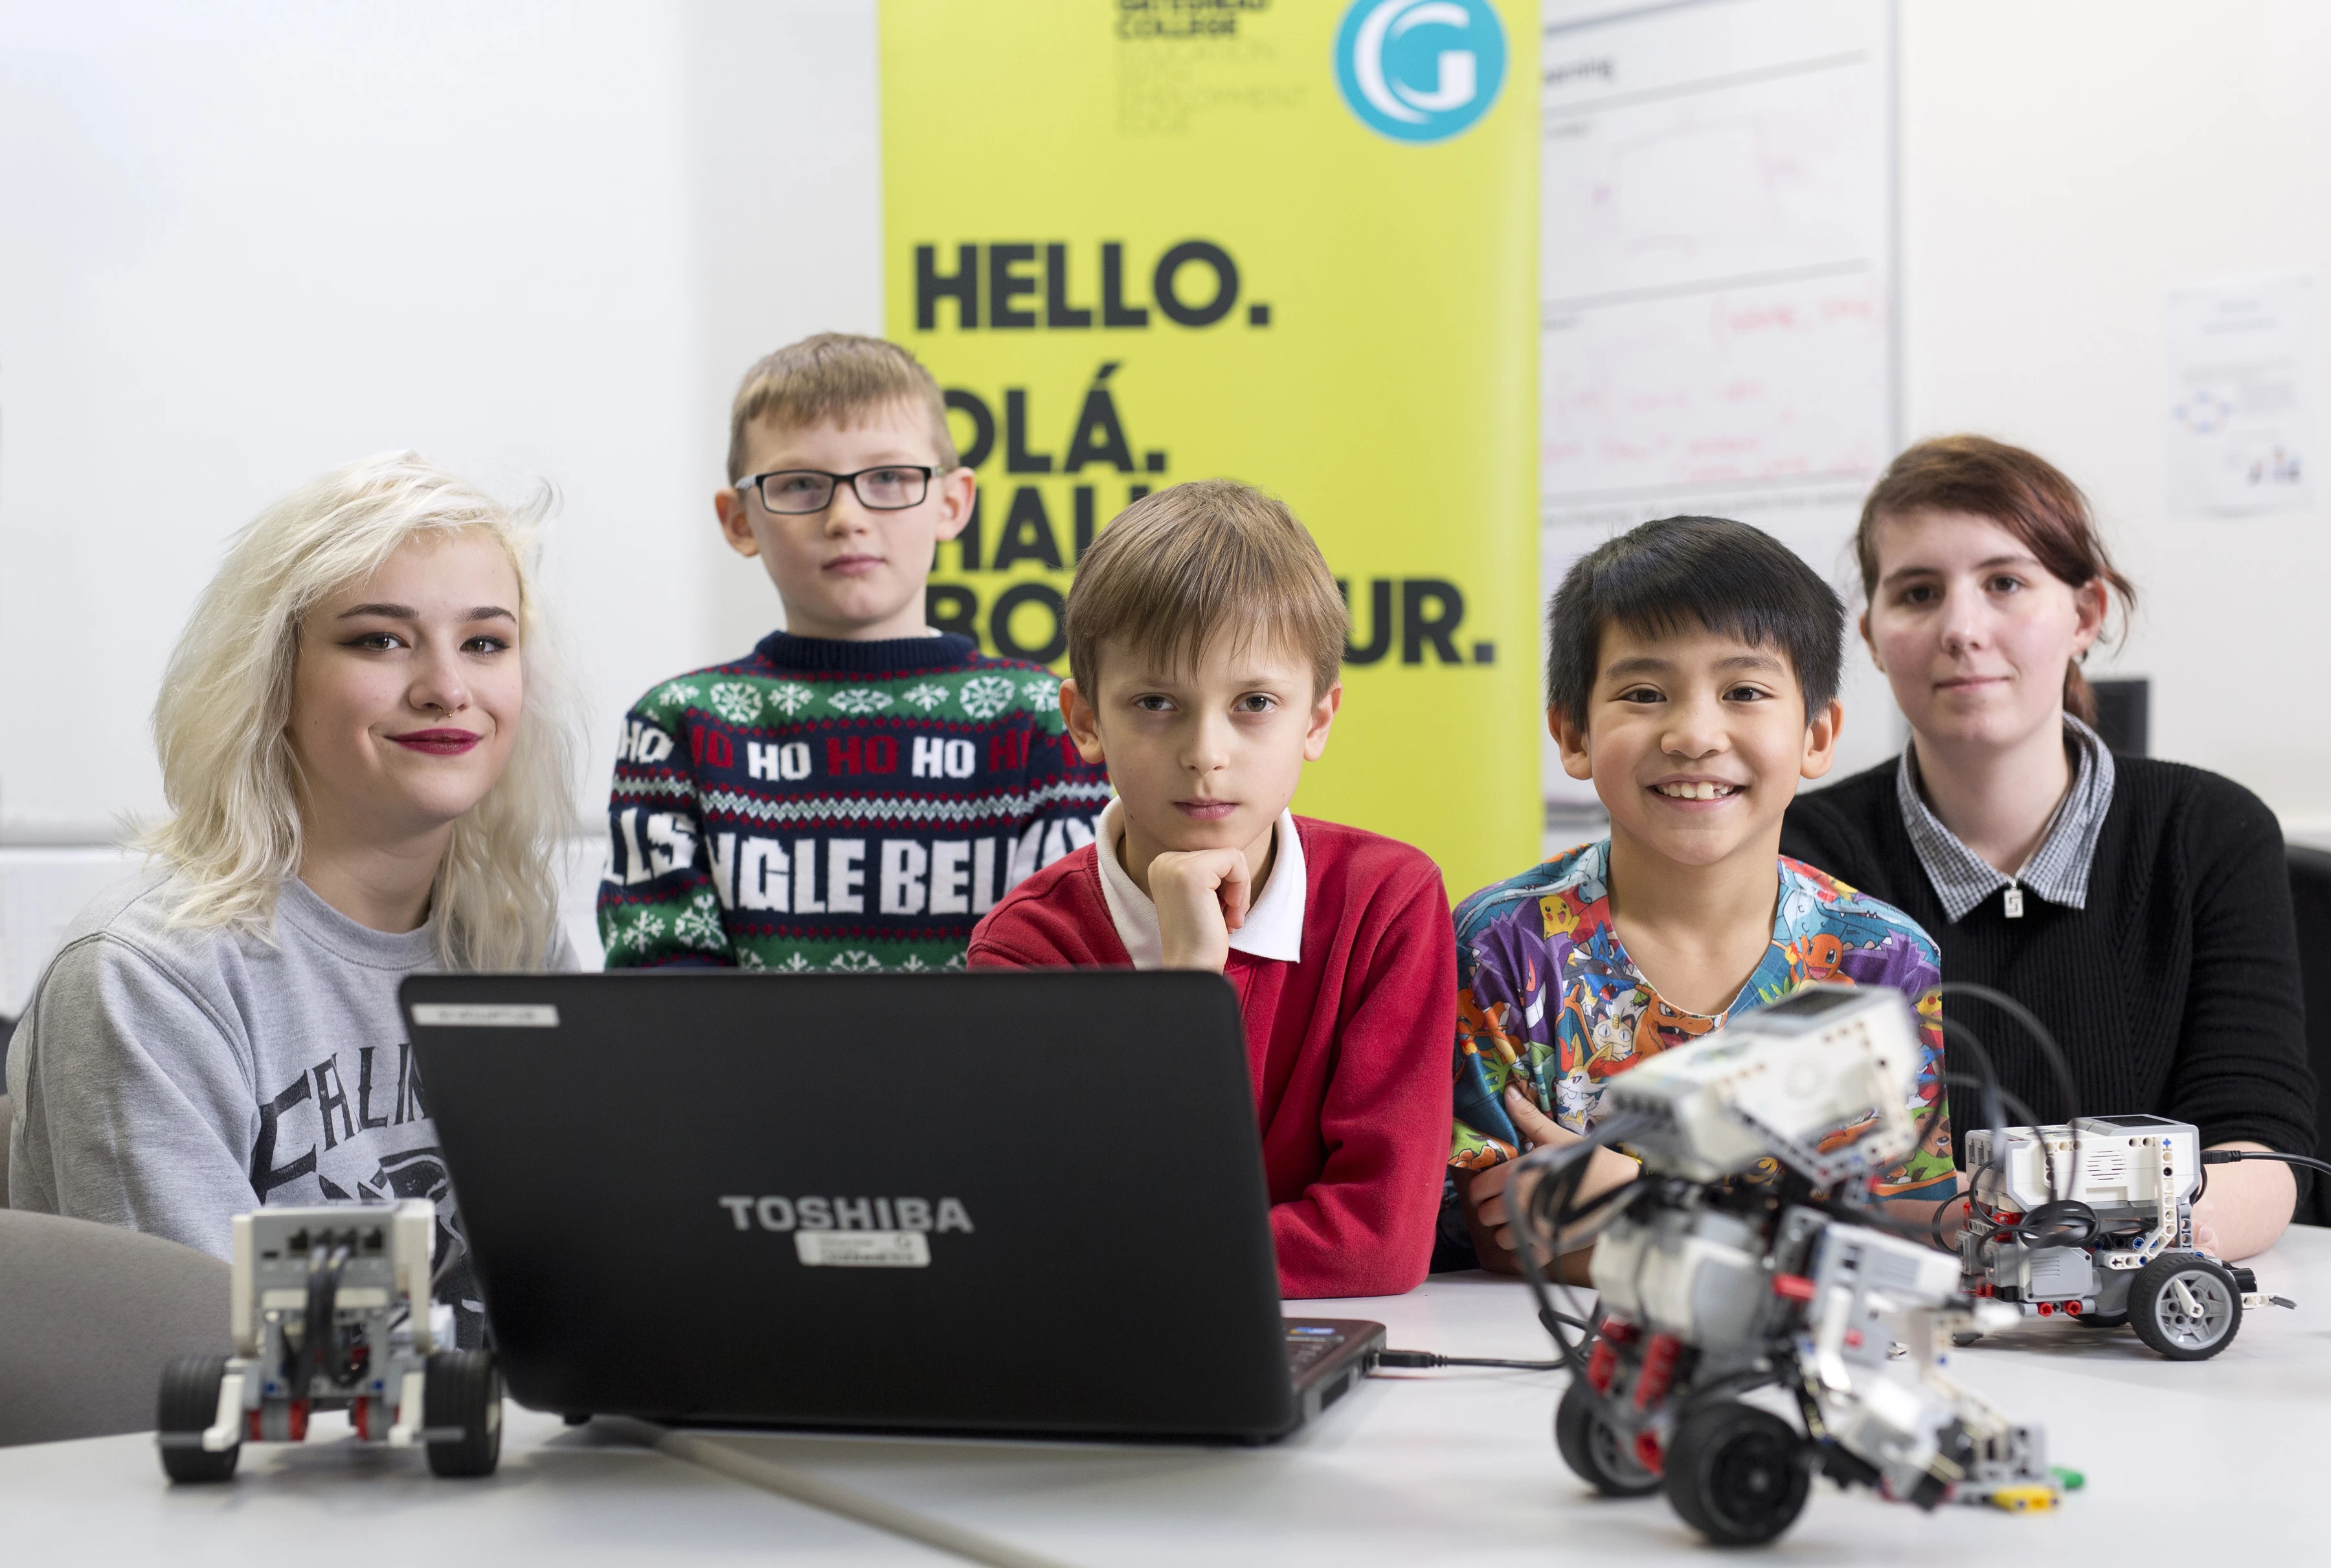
(1346,1046)
(831,805)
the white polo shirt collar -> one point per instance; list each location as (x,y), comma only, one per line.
(1274,925)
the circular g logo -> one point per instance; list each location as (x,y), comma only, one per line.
(1420,71)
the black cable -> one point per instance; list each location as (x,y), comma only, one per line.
(1550,1317)
(2060,1223)
(318,1334)
(1564,1171)
(1934,1220)
(1427,1358)
(2012,1101)
(1523,1218)
(2227,1156)
(295,1356)
(2047,1047)
(1995,1119)
(2032,1027)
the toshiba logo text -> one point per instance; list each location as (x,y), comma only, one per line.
(848,1214)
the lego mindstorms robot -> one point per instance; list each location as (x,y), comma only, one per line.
(1749,1254)
(332,1311)
(2093,1221)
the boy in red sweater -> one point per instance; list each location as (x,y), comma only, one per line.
(1206,635)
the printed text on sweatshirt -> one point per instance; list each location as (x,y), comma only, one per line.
(827,805)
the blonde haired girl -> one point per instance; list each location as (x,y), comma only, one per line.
(366,749)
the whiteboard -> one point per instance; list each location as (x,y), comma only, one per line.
(1718,288)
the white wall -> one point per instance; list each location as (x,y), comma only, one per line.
(242,242)
(2064,166)
(252,243)
(239,242)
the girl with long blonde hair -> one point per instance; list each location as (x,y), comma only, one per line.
(368,751)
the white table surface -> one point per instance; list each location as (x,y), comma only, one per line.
(2191,1461)
(573,1497)
(2184,1461)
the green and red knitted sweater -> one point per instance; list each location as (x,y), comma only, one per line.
(827,805)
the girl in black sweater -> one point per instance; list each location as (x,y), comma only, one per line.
(2141,908)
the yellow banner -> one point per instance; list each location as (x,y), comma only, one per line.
(1287,242)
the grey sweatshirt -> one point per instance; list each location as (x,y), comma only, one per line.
(167,1078)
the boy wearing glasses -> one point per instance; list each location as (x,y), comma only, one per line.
(859,790)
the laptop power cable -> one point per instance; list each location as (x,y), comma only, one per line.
(1420,1358)
(1406,1358)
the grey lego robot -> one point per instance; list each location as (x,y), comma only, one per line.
(330,1310)
(1750,1256)
(2094,1220)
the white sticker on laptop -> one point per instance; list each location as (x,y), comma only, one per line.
(485,1015)
(863,1248)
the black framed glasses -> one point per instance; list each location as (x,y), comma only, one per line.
(892,488)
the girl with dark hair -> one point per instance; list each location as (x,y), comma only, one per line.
(2141,908)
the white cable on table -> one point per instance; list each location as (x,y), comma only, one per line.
(712,1452)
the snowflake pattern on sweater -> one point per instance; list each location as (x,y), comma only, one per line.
(1549,999)
(822,806)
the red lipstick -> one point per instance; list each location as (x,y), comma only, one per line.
(438,742)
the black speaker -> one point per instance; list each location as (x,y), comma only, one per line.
(2124,714)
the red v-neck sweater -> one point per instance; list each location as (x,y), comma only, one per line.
(1349,1048)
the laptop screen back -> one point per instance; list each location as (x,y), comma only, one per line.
(989,1201)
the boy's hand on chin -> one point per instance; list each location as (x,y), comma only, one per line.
(1202,897)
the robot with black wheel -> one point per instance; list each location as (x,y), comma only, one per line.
(2093,1221)
(332,1310)
(1717,1282)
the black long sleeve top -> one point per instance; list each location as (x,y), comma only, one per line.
(2176,992)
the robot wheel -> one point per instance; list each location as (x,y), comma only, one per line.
(1595,1449)
(1738,1475)
(189,1404)
(462,1388)
(2186,1306)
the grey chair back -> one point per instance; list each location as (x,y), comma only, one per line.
(88,1314)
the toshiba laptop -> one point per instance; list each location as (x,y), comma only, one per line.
(1023,1202)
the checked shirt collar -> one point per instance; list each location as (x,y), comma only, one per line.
(2058,870)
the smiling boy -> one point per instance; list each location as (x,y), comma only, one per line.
(860,788)
(1691,674)
(1205,634)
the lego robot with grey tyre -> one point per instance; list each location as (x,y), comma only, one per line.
(1594,1449)
(189,1404)
(463,1389)
(2186,1306)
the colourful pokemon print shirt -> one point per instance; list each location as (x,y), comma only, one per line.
(1549,999)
